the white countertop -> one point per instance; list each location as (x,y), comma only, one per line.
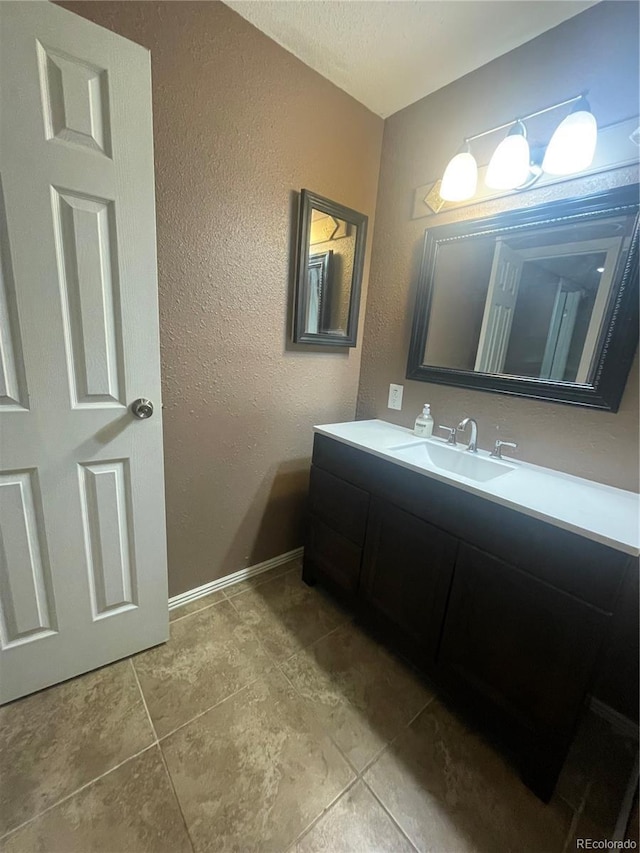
(598,512)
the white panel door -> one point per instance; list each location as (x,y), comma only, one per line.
(499,309)
(83,567)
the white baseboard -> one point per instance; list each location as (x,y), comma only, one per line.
(229,580)
(619,723)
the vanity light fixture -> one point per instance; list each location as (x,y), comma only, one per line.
(570,150)
(460,178)
(573,143)
(509,166)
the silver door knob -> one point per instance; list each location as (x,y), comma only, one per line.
(142,408)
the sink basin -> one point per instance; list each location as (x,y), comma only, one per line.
(453,460)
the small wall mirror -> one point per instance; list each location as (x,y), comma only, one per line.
(540,302)
(330,258)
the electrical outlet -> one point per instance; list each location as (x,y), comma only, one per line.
(395,396)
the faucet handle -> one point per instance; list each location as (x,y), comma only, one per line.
(451,439)
(496,453)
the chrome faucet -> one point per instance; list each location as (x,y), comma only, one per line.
(496,453)
(473,441)
(451,439)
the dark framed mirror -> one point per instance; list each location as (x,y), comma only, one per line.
(329,262)
(540,302)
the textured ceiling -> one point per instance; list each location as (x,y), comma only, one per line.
(389,54)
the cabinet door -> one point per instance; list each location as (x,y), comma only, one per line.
(406,576)
(526,647)
(332,558)
(341,505)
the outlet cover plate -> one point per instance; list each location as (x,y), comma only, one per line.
(395,396)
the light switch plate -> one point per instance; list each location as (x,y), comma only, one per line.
(395,396)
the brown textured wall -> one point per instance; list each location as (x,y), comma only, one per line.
(239,125)
(596,50)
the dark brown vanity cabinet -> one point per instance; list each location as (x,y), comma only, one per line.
(507,615)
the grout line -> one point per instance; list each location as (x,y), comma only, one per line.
(210,708)
(388,812)
(220,584)
(319,817)
(308,704)
(311,645)
(78,790)
(577,814)
(390,742)
(175,794)
(424,708)
(229,595)
(328,732)
(144,701)
(252,630)
(277,662)
(194,612)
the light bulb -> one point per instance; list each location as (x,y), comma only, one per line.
(573,143)
(460,178)
(509,167)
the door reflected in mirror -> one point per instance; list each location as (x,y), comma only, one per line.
(540,302)
(330,259)
(527,305)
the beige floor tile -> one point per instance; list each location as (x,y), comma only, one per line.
(361,693)
(287,614)
(209,656)
(131,810)
(197,605)
(55,741)
(257,580)
(254,772)
(452,793)
(355,824)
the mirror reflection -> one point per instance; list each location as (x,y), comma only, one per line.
(530,303)
(332,243)
(330,258)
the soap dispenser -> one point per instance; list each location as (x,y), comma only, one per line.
(424,423)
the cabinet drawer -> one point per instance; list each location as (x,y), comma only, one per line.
(339,504)
(333,555)
(518,643)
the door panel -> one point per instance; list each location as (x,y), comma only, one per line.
(13,391)
(106,504)
(87,268)
(83,566)
(27,609)
(75,100)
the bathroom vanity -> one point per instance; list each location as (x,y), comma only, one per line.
(498,579)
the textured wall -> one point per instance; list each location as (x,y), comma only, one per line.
(597,50)
(239,125)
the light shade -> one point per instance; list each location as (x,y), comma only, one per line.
(509,166)
(573,143)
(460,178)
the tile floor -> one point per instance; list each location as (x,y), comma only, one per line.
(270,722)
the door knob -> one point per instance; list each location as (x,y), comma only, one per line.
(142,408)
